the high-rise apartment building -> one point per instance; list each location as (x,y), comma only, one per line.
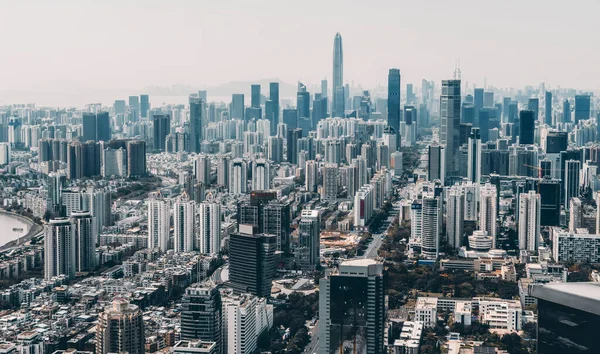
(261,175)
(183,225)
(529,220)
(238,176)
(85,241)
(330,173)
(159,224)
(59,248)
(209,228)
(455,216)
(120,329)
(488,213)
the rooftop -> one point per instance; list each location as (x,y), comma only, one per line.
(581,296)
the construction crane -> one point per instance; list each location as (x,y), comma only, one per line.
(539,169)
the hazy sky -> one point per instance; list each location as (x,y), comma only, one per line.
(128,44)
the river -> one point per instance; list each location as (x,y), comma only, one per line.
(7,223)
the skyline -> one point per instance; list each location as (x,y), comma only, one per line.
(128,52)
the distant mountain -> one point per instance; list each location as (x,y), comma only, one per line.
(225,90)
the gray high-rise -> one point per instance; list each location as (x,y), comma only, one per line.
(393,103)
(338,77)
(450,124)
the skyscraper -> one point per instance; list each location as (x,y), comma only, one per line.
(393,102)
(159,223)
(120,329)
(526,127)
(548,104)
(307,253)
(161,124)
(474,156)
(582,107)
(292,145)
(59,248)
(450,124)
(431,227)
(352,308)
(201,313)
(134,107)
(303,101)
(255,96)
(136,158)
(566,111)
(549,190)
(252,261)
(96,127)
(183,225)
(237,106)
(534,105)
(338,78)
(144,105)
(529,220)
(202,169)
(85,241)
(572,170)
(209,228)
(197,122)
(436,163)
(273,117)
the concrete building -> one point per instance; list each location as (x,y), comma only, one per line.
(575,247)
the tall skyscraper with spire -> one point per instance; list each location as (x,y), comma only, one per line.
(338,77)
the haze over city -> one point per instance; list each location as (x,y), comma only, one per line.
(91,47)
(299,177)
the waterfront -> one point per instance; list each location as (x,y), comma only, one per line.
(7,223)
